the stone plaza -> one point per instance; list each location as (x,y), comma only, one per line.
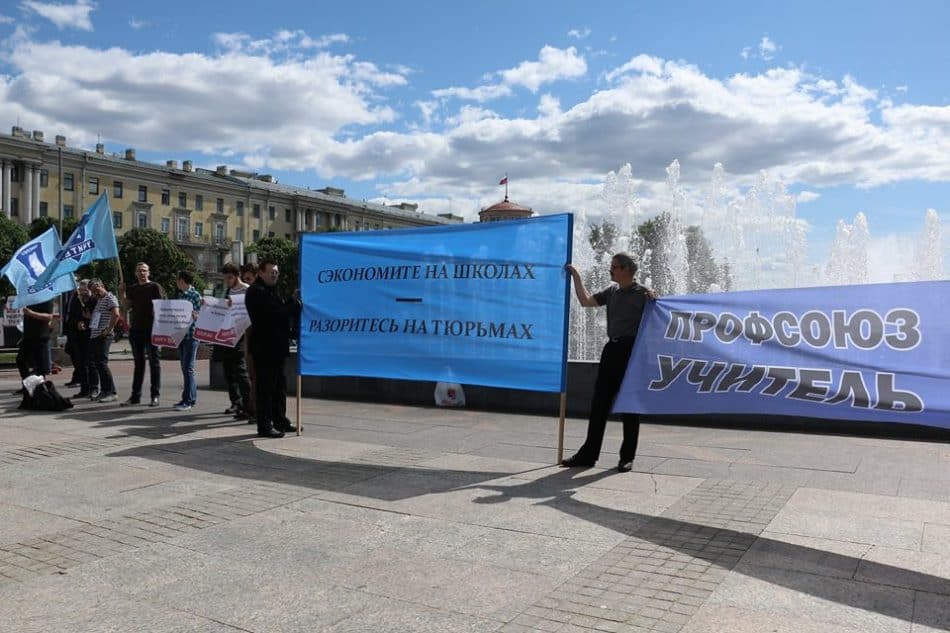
(384,517)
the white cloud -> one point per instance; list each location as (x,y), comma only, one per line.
(282,42)
(480,94)
(5,19)
(579,34)
(553,64)
(767,48)
(277,103)
(807,196)
(64,16)
(137,24)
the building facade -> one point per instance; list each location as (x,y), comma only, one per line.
(210,214)
(504,210)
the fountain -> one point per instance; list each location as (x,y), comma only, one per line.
(754,236)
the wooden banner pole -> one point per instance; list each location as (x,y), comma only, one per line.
(299,382)
(560,428)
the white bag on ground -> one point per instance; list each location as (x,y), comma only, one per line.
(449,394)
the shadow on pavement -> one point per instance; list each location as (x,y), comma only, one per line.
(829,576)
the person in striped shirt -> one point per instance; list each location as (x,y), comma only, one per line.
(101,327)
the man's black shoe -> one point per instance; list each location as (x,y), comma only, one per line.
(274,433)
(288,428)
(625,467)
(72,384)
(577,462)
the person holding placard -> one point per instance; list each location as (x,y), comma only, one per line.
(232,358)
(625,302)
(101,327)
(188,348)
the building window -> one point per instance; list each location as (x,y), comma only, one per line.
(182,200)
(94,185)
(240,207)
(166,196)
(14,207)
(68,184)
(270,234)
(199,229)
(308,217)
(219,231)
(117,220)
(288,218)
(165,225)
(44,209)
(220,205)
(117,189)
(257,210)
(316,218)
(182,229)
(142,220)
(15,174)
(199,202)
(143,193)
(239,234)
(257,235)
(44,178)
(287,236)
(272,213)
(67,211)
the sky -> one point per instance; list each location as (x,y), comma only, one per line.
(844,105)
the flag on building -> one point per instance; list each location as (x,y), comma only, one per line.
(93,238)
(29,263)
(503,181)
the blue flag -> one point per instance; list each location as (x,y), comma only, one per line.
(93,239)
(29,263)
(479,304)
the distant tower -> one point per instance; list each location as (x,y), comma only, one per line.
(504,210)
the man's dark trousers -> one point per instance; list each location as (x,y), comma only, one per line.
(235,374)
(271,392)
(141,343)
(610,372)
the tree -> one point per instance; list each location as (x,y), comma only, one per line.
(704,272)
(284,252)
(602,238)
(40,225)
(12,237)
(163,257)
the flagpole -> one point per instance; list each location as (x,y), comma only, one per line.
(506,185)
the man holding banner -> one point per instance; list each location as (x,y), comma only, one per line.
(272,319)
(625,303)
(188,348)
(232,358)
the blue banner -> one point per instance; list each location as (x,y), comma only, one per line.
(92,239)
(876,353)
(29,263)
(482,304)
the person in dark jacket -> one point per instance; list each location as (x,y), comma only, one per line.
(77,328)
(273,320)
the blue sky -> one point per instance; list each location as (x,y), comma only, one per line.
(845,103)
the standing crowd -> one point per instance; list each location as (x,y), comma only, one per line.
(254,368)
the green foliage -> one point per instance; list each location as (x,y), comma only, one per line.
(284,252)
(40,225)
(704,270)
(12,237)
(164,259)
(602,238)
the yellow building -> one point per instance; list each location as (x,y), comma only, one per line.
(210,214)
